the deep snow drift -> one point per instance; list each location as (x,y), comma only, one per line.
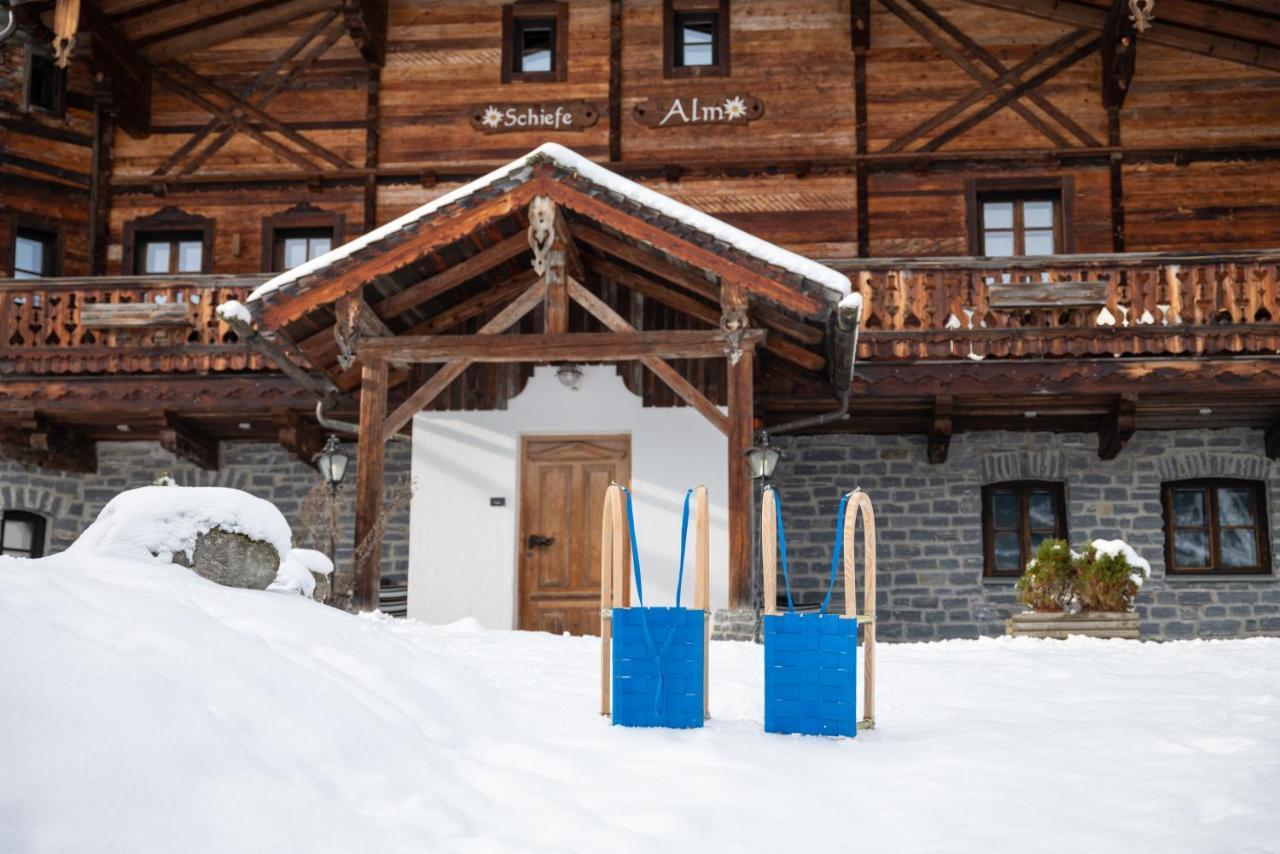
(145,709)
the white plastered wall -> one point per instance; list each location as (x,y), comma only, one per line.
(463,552)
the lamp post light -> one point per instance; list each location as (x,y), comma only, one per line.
(332,463)
(763,458)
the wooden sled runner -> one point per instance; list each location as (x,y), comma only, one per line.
(653,661)
(811,658)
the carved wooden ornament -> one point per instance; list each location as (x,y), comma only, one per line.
(550,116)
(730,109)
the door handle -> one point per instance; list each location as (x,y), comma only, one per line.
(538,541)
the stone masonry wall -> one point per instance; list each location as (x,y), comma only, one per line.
(929,523)
(71,501)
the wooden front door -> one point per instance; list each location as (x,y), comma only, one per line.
(563,480)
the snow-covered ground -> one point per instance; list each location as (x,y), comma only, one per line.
(144,709)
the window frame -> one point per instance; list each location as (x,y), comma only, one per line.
(1060,190)
(298,217)
(1024,489)
(524,10)
(53,248)
(59,108)
(1210,487)
(38,533)
(671,11)
(168,220)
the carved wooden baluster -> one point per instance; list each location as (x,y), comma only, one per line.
(1268,297)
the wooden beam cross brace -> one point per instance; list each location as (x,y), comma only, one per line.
(1119,55)
(125,72)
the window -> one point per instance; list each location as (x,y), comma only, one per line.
(168,242)
(1020,216)
(46,83)
(534,34)
(696,38)
(1017,516)
(22,534)
(1020,225)
(35,253)
(299,234)
(1215,526)
(294,246)
(170,252)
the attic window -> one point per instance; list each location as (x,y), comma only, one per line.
(46,83)
(696,38)
(534,36)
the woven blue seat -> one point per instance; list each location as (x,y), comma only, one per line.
(810,659)
(658,653)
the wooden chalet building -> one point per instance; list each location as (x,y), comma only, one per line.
(1062,218)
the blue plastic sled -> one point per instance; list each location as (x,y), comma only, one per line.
(658,655)
(810,659)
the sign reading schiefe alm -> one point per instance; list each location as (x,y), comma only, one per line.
(733,109)
(558,116)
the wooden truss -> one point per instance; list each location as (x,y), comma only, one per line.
(552,289)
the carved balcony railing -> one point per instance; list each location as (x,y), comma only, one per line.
(1137,304)
(121,325)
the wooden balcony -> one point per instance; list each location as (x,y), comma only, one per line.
(122,325)
(1072,306)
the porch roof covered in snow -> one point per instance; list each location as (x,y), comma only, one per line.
(552,258)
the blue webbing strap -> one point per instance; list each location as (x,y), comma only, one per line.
(660,697)
(684,536)
(835,553)
(782,548)
(836,550)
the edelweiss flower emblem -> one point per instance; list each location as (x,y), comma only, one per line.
(735,108)
(492,116)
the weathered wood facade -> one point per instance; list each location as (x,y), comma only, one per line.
(870,131)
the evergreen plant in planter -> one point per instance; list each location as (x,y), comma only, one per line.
(1080,594)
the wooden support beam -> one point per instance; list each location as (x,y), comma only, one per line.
(124,73)
(940,431)
(301,437)
(372,136)
(674,380)
(187,43)
(318,384)
(370,471)
(615,80)
(1119,55)
(439,381)
(678,300)
(554,346)
(100,188)
(744,272)
(1163,33)
(1119,426)
(1272,439)
(366,22)
(741,417)
(690,281)
(185,442)
(278,311)
(465,270)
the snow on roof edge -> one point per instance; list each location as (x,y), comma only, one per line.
(569,159)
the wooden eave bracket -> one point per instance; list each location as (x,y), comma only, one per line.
(123,74)
(940,430)
(301,437)
(1119,426)
(366,22)
(41,441)
(1272,439)
(180,438)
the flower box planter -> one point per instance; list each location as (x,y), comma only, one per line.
(1097,624)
